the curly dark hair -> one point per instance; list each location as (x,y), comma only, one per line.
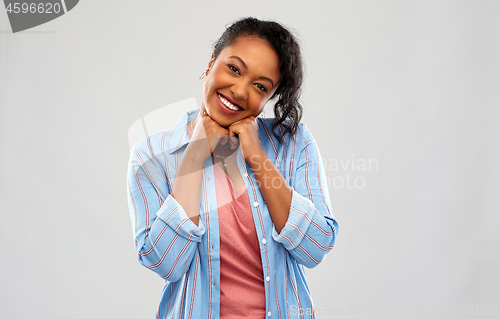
(287,106)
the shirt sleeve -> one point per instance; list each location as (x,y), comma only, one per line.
(165,238)
(310,231)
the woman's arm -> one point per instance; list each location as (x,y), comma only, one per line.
(311,228)
(301,215)
(165,238)
(165,213)
(273,187)
(187,184)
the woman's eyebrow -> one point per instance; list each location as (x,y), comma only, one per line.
(239,59)
(245,66)
(267,79)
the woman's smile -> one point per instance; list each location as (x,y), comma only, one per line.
(228,106)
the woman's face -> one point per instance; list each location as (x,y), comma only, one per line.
(241,80)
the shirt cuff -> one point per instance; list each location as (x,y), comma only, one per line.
(299,218)
(172,213)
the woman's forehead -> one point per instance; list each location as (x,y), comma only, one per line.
(246,41)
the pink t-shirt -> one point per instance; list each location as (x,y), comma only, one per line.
(242,292)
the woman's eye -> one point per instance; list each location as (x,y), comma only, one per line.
(234,69)
(261,87)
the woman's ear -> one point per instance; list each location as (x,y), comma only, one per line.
(209,67)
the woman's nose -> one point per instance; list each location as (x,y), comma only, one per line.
(239,90)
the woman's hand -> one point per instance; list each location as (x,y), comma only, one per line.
(247,130)
(206,135)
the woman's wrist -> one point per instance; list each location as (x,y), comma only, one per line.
(257,159)
(195,152)
(192,161)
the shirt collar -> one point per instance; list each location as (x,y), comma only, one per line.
(179,136)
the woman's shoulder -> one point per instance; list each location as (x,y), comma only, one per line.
(153,144)
(301,136)
(168,140)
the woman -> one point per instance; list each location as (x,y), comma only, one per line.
(227,207)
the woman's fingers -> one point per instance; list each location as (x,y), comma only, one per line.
(233,137)
(224,140)
(234,142)
(207,133)
(215,133)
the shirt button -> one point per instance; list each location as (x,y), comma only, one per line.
(264,241)
(255,204)
(269,314)
(267,278)
(245,174)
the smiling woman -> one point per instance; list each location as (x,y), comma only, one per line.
(228,207)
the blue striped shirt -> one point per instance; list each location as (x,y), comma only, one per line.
(186,255)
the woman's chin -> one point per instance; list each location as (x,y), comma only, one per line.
(225,123)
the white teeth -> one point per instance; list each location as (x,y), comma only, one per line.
(228,104)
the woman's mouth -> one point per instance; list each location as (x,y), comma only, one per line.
(227,105)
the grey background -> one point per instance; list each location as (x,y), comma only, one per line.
(411,84)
